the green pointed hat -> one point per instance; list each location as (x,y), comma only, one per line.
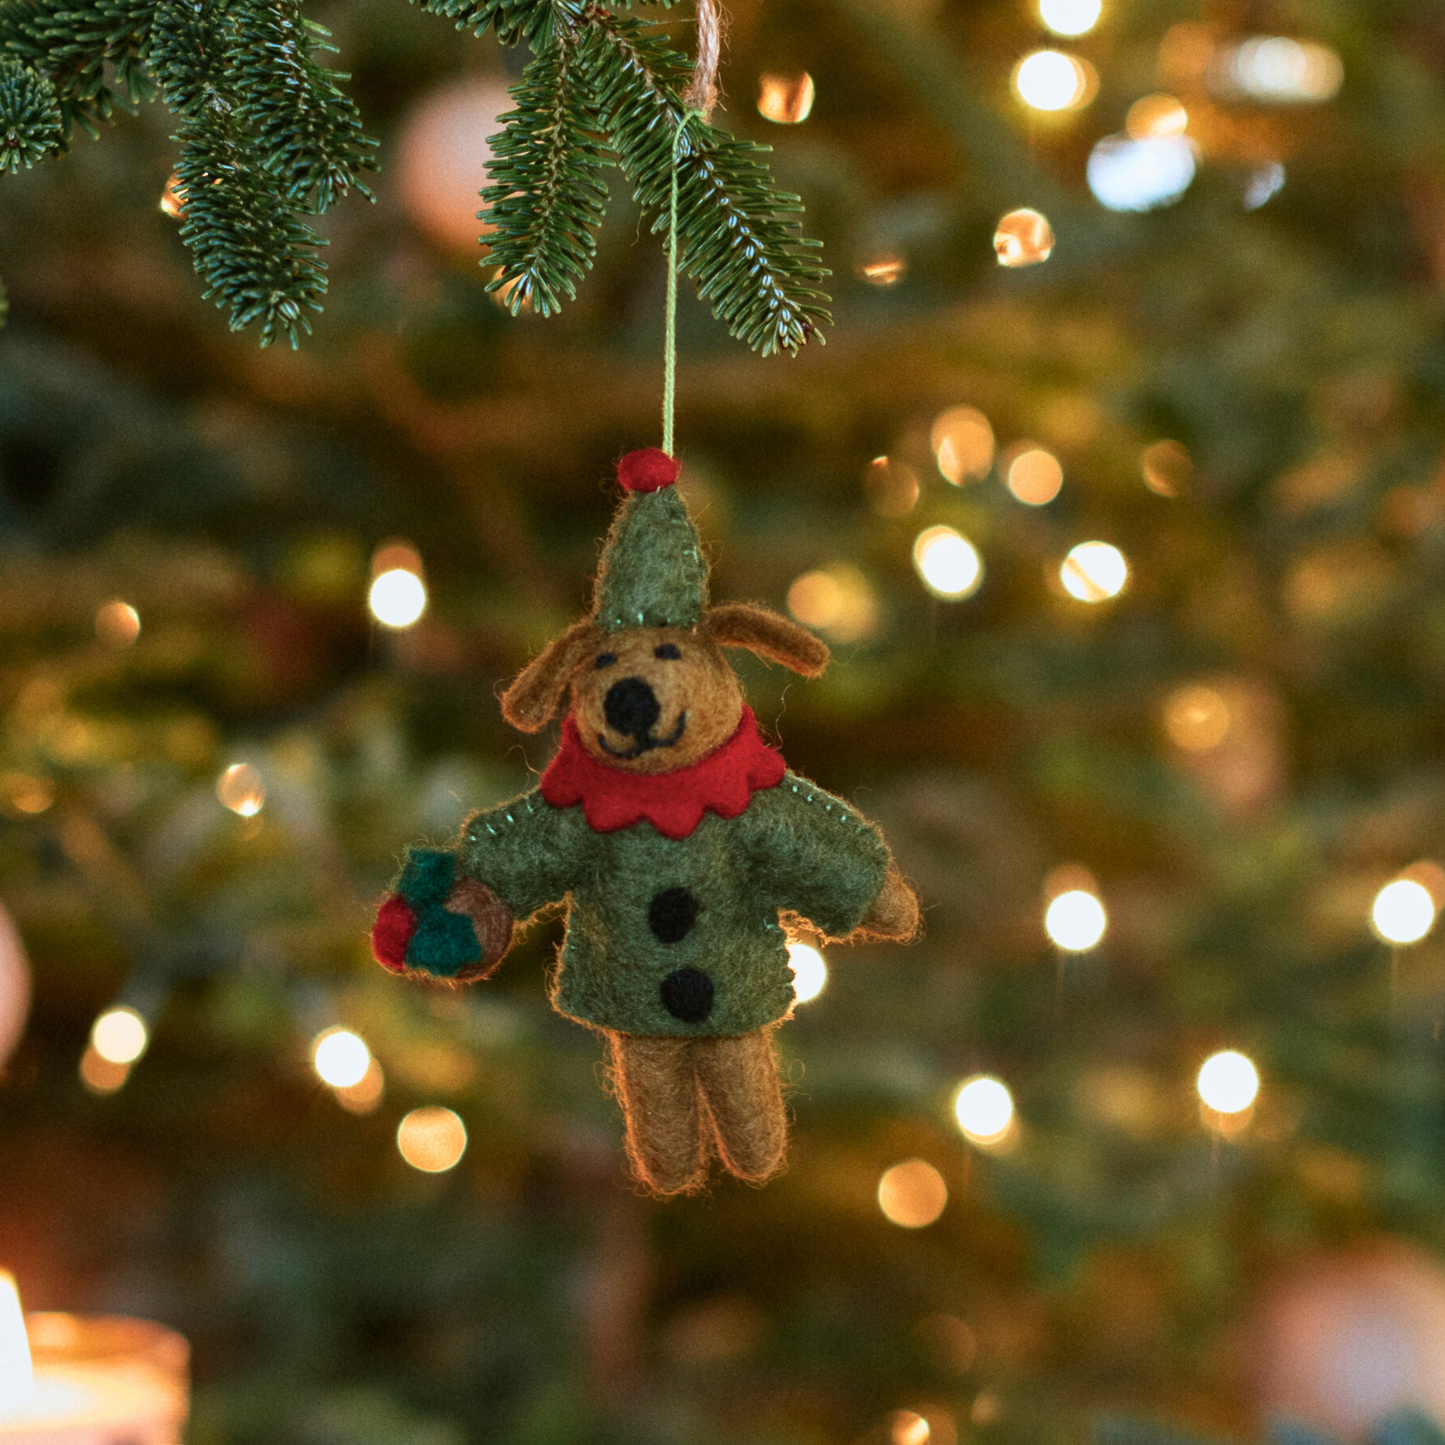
(652,572)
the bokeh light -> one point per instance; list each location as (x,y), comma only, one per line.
(1403,912)
(892,487)
(365,1095)
(1228,1082)
(912,1194)
(1050,80)
(1094,572)
(397,598)
(340,1057)
(1137,175)
(907,1427)
(26,793)
(120,1035)
(1196,718)
(241,789)
(1265,182)
(432,1139)
(962,441)
(786,99)
(1070,17)
(1034,476)
(100,1075)
(173,198)
(1154,116)
(1075,920)
(836,600)
(810,971)
(984,1109)
(1277,68)
(1023,238)
(948,563)
(884,268)
(17,1375)
(117,624)
(1166,467)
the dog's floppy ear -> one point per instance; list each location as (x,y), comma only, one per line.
(745,624)
(536,692)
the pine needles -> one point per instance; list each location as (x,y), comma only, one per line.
(268,139)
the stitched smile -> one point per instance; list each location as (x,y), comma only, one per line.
(645,744)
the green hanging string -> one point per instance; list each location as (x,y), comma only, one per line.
(669,358)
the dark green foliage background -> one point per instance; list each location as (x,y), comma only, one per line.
(1109,1266)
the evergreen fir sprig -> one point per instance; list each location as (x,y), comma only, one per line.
(546,200)
(30,122)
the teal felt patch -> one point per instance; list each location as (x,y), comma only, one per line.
(444,942)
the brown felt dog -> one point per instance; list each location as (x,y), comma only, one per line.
(682,968)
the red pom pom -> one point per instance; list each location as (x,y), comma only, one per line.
(648,470)
(391,933)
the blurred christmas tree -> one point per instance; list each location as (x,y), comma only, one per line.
(1131,551)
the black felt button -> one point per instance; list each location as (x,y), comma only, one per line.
(687,994)
(671,915)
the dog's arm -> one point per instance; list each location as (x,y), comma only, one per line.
(452,912)
(818,857)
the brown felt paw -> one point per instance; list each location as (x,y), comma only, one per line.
(894,913)
(491,919)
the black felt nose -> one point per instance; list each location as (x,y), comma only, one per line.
(630,707)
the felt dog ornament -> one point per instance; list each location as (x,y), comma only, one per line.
(678,838)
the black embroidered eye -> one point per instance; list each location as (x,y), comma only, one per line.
(605,659)
(667,650)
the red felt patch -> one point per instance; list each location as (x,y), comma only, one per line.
(674,802)
(648,470)
(392,931)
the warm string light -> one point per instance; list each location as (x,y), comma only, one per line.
(984,1109)
(1023,238)
(1051,81)
(1196,717)
(1075,921)
(948,563)
(1228,1082)
(398,594)
(241,789)
(912,1194)
(1275,68)
(892,486)
(117,624)
(1166,467)
(810,971)
(887,268)
(963,444)
(1070,17)
(432,1139)
(836,600)
(340,1057)
(1094,572)
(907,1427)
(1033,475)
(1126,174)
(17,1374)
(786,99)
(120,1035)
(1403,911)
(1155,116)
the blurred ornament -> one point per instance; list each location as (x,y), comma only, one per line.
(1070,17)
(1023,238)
(1137,175)
(14,985)
(786,99)
(1349,1339)
(962,441)
(442,153)
(1051,80)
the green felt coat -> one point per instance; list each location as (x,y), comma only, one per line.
(795,848)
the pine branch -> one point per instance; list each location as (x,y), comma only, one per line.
(546,201)
(307,131)
(253,250)
(31,126)
(736,235)
(75,44)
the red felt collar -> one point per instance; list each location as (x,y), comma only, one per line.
(674,802)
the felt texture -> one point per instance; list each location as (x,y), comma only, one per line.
(738,1079)
(491,920)
(745,624)
(392,931)
(656,1085)
(687,994)
(532,699)
(652,572)
(894,913)
(672,913)
(794,847)
(673,802)
(688,678)
(647,470)
(442,943)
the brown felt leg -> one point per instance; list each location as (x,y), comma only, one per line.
(739,1081)
(657,1088)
